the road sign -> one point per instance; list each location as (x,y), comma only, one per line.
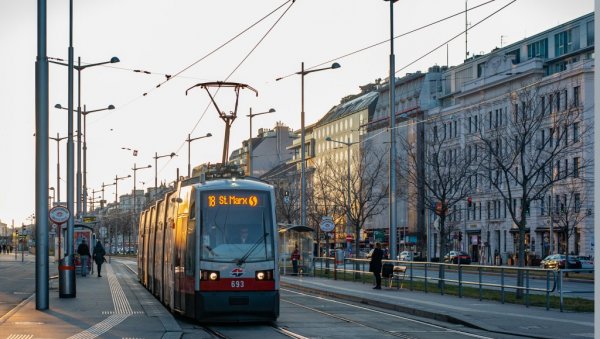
(327,224)
(89,218)
(59,214)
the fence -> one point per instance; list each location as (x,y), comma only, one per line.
(502,279)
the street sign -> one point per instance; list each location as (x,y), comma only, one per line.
(59,214)
(327,224)
(89,218)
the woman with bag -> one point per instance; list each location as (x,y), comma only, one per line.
(99,253)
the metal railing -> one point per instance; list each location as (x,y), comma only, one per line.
(502,279)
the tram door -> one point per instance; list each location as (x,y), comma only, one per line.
(180,233)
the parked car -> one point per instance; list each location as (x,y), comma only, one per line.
(406,256)
(587,263)
(456,257)
(559,260)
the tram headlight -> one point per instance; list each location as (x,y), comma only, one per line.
(264,275)
(209,275)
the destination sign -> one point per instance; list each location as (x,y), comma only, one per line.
(232,199)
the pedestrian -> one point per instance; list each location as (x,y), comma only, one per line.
(84,253)
(376,256)
(99,253)
(295,257)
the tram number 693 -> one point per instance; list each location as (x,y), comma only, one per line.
(237,284)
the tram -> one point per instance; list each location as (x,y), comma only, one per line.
(208,249)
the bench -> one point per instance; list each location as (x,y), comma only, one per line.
(398,275)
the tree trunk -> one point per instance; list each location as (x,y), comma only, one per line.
(520,273)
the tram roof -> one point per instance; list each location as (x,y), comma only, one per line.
(234,183)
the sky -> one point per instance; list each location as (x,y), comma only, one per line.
(183,39)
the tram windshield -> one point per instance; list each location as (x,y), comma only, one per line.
(236,226)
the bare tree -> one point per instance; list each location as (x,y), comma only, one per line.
(446,177)
(367,185)
(524,155)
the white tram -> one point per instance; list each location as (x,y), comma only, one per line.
(208,250)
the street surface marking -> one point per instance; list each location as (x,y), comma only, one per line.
(20,336)
(122,310)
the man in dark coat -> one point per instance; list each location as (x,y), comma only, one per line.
(99,256)
(375,264)
(84,253)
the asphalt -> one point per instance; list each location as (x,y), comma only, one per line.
(117,306)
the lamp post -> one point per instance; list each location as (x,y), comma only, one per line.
(156,157)
(58,139)
(189,141)
(80,68)
(302,73)
(272,110)
(85,112)
(134,169)
(53,196)
(392,107)
(349,202)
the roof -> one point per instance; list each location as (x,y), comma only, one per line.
(355,105)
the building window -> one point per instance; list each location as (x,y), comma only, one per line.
(563,42)
(543,104)
(542,207)
(576,96)
(470,125)
(575,132)
(516,54)
(590,33)
(538,49)
(577,202)
(576,167)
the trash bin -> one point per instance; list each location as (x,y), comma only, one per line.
(66,278)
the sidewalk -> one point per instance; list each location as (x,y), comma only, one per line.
(112,306)
(487,315)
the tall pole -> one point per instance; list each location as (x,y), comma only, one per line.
(67,288)
(41,162)
(250,146)
(189,140)
(58,139)
(78,189)
(155,172)
(348,230)
(84,198)
(392,107)
(302,155)
(135,169)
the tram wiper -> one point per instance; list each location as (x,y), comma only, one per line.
(243,259)
(210,250)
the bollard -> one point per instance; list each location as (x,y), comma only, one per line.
(66,278)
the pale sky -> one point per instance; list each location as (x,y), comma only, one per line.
(166,37)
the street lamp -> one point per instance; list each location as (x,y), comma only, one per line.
(349,202)
(134,151)
(80,68)
(85,112)
(53,195)
(272,110)
(302,73)
(392,107)
(135,169)
(58,139)
(156,157)
(189,141)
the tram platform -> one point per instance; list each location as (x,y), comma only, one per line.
(503,319)
(112,306)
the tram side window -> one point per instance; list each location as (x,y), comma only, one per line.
(190,241)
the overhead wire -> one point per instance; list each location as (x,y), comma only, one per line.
(238,66)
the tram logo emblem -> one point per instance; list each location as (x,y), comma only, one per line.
(237,272)
(252,200)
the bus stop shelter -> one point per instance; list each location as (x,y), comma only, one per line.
(291,236)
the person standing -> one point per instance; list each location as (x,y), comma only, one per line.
(295,257)
(84,253)
(99,253)
(375,264)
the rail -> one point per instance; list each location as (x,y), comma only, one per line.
(502,279)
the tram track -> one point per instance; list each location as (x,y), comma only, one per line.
(379,312)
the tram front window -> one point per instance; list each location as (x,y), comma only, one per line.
(236,227)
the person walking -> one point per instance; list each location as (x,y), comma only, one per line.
(99,253)
(375,264)
(295,257)
(84,254)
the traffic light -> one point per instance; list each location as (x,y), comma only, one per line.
(459,236)
(469,201)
